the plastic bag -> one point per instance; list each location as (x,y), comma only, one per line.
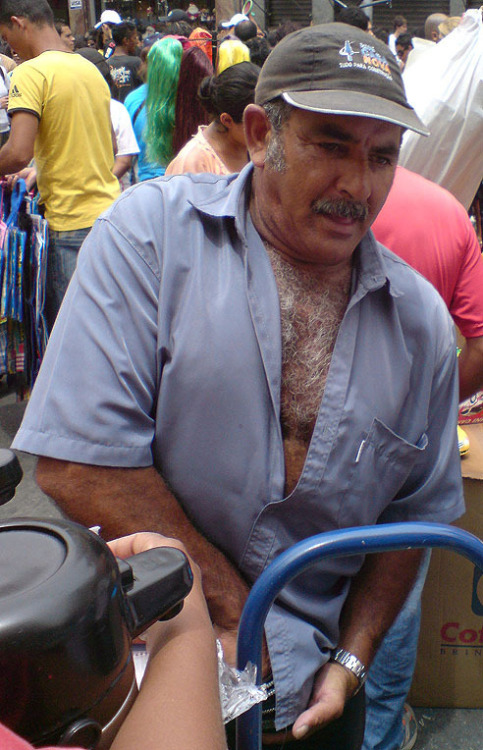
(445,87)
(238,690)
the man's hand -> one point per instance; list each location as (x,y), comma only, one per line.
(333,686)
(3,102)
(142,541)
(29,174)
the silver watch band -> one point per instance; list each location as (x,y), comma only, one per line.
(352,663)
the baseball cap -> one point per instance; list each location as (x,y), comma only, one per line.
(234,20)
(109,16)
(174,16)
(337,69)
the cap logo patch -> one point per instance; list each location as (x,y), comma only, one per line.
(365,57)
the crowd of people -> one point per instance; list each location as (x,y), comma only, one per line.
(236,360)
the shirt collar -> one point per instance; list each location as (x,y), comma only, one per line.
(232,202)
(372,269)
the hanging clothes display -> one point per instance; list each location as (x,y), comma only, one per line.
(23,266)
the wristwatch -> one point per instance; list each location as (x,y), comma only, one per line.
(352,663)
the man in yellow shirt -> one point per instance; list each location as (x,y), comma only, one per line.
(59,105)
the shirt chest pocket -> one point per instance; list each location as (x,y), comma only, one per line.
(382,465)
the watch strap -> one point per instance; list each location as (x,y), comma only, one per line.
(352,663)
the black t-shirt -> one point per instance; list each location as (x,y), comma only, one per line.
(124,73)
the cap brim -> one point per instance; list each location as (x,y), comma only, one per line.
(357,104)
(114,23)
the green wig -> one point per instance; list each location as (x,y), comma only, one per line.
(164,60)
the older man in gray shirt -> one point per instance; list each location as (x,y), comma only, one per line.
(238,363)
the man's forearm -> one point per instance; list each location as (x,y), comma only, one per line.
(123,501)
(470,366)
(376,596)
(122,164)
(11,160)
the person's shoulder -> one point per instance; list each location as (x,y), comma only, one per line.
(195,157)
(423,312)
(172,195)
(406,280)
(136,97)
(118,109)
(131,60)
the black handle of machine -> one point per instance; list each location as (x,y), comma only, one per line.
(10,475)
(155,583)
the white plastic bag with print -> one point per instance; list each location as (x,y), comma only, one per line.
(445,87)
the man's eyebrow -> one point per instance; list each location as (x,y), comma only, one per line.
(388,149)
(330,130)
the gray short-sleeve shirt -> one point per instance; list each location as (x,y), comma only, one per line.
(167,351)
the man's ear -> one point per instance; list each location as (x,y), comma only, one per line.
(18,21)
(257,133)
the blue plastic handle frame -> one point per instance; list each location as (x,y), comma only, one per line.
(292,562)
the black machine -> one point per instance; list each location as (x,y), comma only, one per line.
(68,613)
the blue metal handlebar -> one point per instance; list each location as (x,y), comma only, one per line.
(292,562)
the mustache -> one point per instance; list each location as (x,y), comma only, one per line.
(341,208)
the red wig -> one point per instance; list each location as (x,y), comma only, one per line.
(190,113)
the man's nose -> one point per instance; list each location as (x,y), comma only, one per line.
(355,180)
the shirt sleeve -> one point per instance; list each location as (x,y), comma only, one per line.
(125,136)
(26,90)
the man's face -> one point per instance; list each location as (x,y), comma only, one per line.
(67,37)
(329,179)
(17,37)
(131,42)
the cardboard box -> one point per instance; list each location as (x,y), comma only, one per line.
(449,671)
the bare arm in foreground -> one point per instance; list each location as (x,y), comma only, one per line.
(178,705)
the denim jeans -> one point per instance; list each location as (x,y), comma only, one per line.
(61,262)
(391,672)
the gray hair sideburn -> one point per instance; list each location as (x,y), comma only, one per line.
(278,113)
